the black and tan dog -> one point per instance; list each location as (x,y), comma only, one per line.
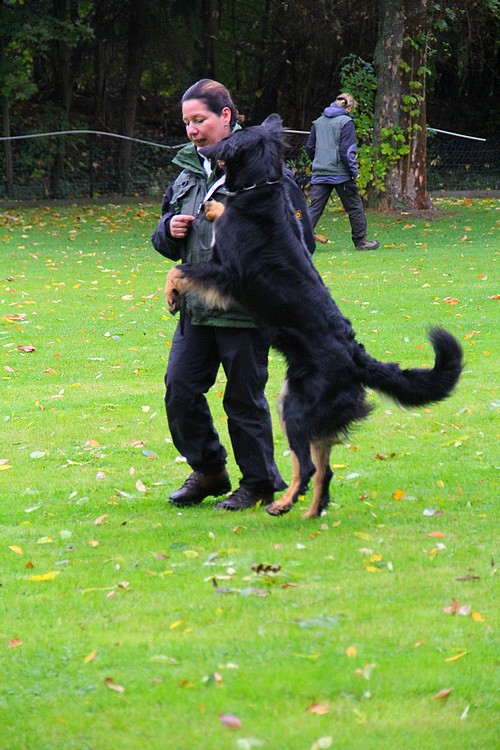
(260,260)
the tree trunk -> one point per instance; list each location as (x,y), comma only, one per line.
(210,18)
(133,72)
(389,91)
(414,167)
(400,59)
(60,56)
(9,177)
(9,174)
(100,66)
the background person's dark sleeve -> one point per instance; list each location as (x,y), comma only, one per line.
(311,143)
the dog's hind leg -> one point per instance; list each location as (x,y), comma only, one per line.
(303,469)
(300,478)
(285,503)
(320,454)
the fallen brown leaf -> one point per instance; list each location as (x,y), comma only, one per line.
(442,695)
(112,685)
(230,720)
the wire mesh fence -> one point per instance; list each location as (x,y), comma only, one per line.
(86,164)
(456,163)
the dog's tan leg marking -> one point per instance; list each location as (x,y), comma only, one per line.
(285,503)
(320,453)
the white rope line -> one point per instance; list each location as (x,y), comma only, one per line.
(432,130)
(457,135)
(87,132)
(163,145)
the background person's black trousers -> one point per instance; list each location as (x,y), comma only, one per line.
(351,200)
(193,364)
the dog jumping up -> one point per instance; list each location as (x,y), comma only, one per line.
(260,259)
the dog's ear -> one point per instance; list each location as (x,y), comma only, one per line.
(210,152)
(224,150)
(274,123)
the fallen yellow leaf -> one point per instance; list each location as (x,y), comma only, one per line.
(457,656)
(399,495)
(16,549)
(45,576)
(477,616)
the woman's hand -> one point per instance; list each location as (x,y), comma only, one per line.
(180,224)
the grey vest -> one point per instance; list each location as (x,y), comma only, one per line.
(327,161)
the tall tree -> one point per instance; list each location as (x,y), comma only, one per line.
(134,65)
(400,103)
(16,83)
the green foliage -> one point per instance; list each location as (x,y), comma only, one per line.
(129,624)
(301,163)
(359,78)
(375,162)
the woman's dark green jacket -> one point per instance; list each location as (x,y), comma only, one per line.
(185,195)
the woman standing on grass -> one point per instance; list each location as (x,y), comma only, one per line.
(332,147)
(207,338)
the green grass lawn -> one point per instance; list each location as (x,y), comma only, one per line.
(128,624)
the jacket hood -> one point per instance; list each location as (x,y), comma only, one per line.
(187,158)
(333,110)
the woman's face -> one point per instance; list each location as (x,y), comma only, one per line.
(204,127)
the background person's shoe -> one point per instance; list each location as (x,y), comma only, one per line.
(198,486)
(365,244)
(244,498)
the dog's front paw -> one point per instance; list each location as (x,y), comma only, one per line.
(175,303)
(172,291)
(213,209)
(279,509)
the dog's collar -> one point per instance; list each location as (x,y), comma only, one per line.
(255,185)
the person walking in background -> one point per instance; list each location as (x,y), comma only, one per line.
(332,147)
(207,338)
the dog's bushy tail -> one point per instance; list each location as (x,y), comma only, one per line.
(415,387)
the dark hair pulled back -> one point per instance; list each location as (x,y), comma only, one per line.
(214,94)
